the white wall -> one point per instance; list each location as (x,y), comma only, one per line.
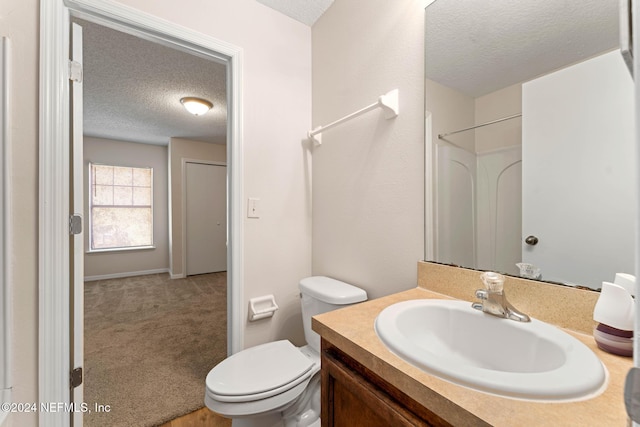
(276,115)
(497,105)
(368,175)
(120,153)
(450,110)
(19,21)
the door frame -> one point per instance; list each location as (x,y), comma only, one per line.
(183,171)
(54,172)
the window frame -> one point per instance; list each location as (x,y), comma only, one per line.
(90,248)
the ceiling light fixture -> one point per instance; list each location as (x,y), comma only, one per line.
(196,106)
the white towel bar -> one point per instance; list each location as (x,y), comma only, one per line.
(388,102)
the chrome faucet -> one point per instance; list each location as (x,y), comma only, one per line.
(493,299)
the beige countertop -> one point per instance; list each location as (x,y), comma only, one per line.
(352,330)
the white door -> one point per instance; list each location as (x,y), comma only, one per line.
(573,201)
(77,239)
(206,218)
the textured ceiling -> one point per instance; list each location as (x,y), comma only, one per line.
(478,47)
(305,11)
(132,87)
(132,90)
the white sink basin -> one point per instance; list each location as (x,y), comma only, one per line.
(525,360)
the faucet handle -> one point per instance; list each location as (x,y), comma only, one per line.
(494,282)
(482,294)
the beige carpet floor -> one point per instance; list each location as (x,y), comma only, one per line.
(149,343)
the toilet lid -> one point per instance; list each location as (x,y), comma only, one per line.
(262,370)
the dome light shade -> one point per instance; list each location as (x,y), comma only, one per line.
(196,106)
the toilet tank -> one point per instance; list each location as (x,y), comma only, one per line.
(321,294)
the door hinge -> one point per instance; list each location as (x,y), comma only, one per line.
(75,378)
(75,71)
(75,224)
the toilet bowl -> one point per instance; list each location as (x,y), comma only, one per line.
(278,384)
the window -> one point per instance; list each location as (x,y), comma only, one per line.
(121,207)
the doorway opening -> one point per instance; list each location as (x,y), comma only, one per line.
(56,326)
(152,218)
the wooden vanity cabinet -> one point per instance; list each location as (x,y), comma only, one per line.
(354,396)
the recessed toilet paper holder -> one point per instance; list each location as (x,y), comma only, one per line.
(262,307)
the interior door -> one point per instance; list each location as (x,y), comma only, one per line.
(77,235)
(573,201)
(206,218)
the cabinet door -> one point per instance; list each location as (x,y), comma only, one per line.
(350,400)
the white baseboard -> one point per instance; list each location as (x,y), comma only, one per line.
(177,276)
(126,274)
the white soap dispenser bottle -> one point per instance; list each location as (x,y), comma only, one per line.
(614,312)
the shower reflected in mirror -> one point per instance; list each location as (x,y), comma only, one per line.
(530,134)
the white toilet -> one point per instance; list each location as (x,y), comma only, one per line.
(277,384)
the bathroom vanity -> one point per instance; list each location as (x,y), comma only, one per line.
(364,384)
(354,395)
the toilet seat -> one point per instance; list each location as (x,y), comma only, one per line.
(277,383)
(259,373)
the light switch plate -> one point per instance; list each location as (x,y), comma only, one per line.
(253,208)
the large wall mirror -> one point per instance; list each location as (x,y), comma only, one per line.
(530,125)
